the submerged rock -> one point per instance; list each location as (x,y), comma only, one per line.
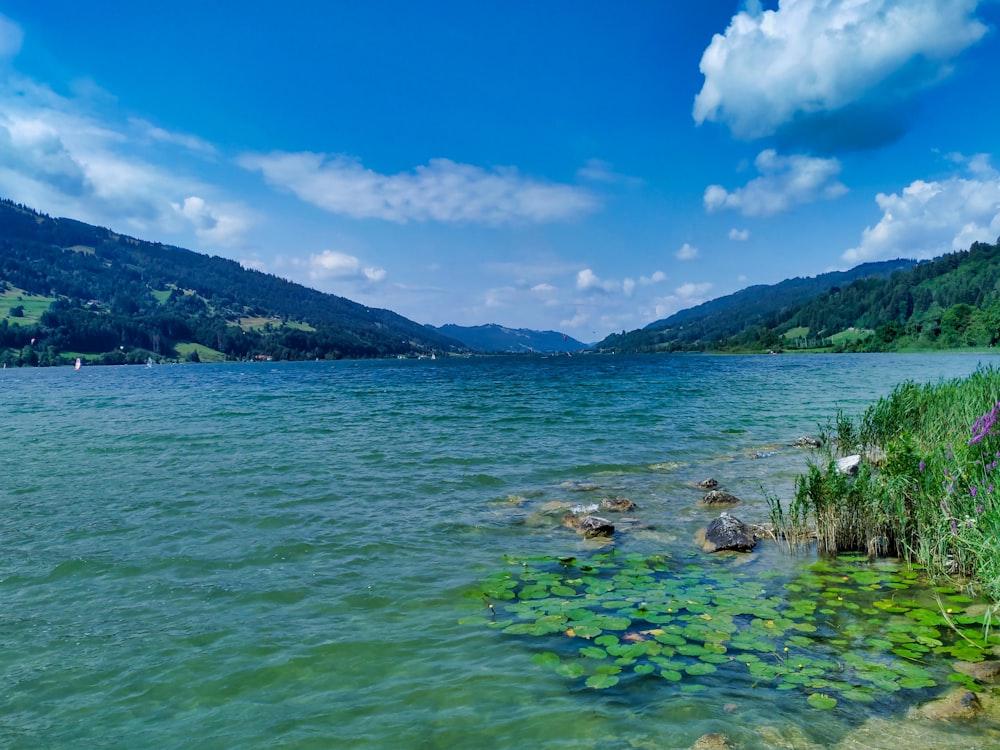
(807,442)
(590,526)
(718,498)
(728,533)
(617,504)
(983,671)
(709,484)
(713,741)
(958,704)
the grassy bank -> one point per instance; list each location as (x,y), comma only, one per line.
(927,489)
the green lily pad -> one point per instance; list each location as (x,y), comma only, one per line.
(602,681)
(821,701)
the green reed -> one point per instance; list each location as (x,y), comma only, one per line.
(926,489)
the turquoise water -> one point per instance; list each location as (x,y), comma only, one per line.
(278,555)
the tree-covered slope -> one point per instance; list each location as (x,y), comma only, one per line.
(745,313)
(104,292)
(950,302)
(496,338)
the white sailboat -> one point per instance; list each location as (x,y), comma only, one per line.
(78,364)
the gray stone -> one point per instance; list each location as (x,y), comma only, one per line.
(617,504)
(718,499)
(709,484)
(591,526)
(728,533)
(849,465)
(807,442)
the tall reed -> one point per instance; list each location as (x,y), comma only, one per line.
(927,489)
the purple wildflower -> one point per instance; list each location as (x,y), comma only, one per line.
(954,527)
(972,491)
(979,510)
(922,466)
(985,424)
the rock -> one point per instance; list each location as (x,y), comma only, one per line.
(983,671)
(761,454)
(617,504)
(718,498)
(849,465)
(728,533)
(590,526)
(807,442)
(958,704)
(708,484)
(714,741)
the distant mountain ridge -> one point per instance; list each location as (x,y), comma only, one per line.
(492,338)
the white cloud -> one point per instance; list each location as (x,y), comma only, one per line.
(11,37)
(691,290)
(587,280)
(222,224)
(442,190)
(655,278)
(598,170)
(543,288)
(331,264)
(686,252)
(933,217)
(784,181)
(686,295)
(811,58)
(190,142)
(739,235)
(62,156)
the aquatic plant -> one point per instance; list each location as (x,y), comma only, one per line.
(845,630)
(927,489)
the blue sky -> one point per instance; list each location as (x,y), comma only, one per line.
(579,166)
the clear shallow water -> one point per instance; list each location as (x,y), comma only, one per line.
(278,555)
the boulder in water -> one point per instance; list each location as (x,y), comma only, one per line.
(718,499)
(728,533)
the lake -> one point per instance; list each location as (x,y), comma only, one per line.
(292,554)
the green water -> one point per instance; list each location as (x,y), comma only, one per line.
(278,555)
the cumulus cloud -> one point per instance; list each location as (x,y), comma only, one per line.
(938,216)
(587,280)
(655,278)
(785,181)
(739,235)
(686,295)
(830,69)
(218,224)
(62,156)
(442,190)
(686,252)
(331,264)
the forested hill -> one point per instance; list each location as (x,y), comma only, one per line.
(742,315)
(77,289)
(951,301)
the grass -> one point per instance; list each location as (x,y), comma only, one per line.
(258,323)
(205,354)
(927,489)
(34,306)
(800,332)
(851,334)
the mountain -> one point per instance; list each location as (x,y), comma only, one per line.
(755,308)
(495,338)
(69,287)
